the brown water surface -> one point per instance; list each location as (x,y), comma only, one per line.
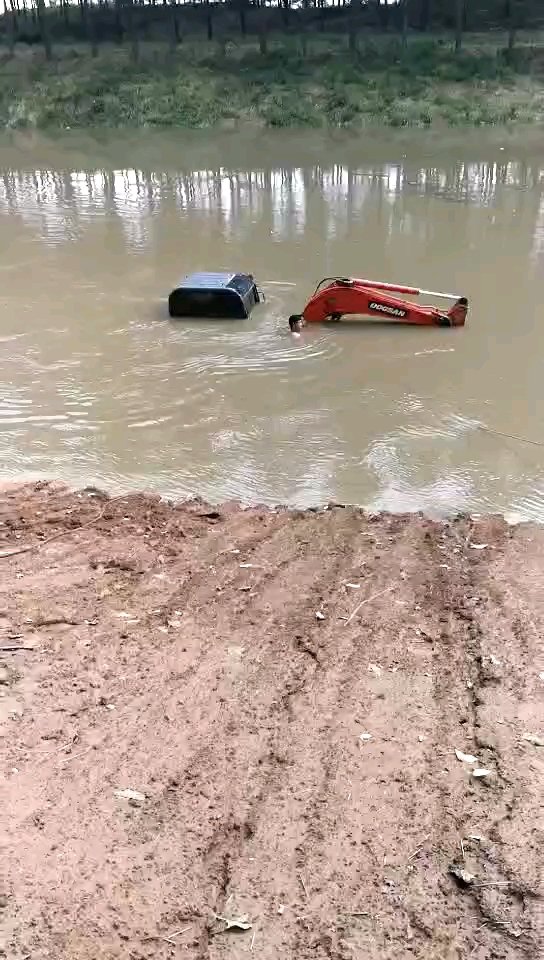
(99,386)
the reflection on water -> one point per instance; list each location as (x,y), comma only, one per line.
(58,204)
(98,384)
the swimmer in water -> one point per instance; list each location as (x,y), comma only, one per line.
(296,324)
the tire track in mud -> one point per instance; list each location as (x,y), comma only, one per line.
(274,761)
(516,908)
(318,820)
(464,591)
(223,850)
(291,685)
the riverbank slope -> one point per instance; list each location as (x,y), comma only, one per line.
(284,694)
(300,81)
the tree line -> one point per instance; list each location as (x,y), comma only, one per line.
(118,21)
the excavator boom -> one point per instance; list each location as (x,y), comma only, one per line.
(337,297)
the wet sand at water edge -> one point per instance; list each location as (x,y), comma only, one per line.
(283,693)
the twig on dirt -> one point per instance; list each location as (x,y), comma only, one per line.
(63,746)
(493,922)
(169,939)
(368,600)
(234,923)
(54,622)
(303,885)
(74,756)
(419,849)
(151,938)
(12,648)
(493,883)
(462,848)
(253,940)
(490,921)
(62,533)
(177,933)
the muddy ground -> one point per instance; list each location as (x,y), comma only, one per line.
(285,693)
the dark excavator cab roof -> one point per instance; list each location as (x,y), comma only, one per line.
(214,294)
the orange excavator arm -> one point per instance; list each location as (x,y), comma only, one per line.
(336,296)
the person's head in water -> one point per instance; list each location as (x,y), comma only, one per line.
(295,324)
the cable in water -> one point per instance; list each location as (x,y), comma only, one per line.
(510,436)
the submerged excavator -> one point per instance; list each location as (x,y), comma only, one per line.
(336,297)
(233,295)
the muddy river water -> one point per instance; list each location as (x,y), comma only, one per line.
(99,386)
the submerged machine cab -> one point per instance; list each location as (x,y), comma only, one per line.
(215,295)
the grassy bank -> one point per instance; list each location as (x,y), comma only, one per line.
(299,82)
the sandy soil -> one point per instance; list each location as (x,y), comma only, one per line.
(225,664)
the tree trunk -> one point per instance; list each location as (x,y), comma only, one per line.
(44,29)
(513,13)
(92,33)
(174,27)
(209,24)
(12,27)
(14,13)
(263,41)
(133,31)
(83,16)
(459,10)
(383,15)
(424,15)
(353,25)
(119,28)
(404,23)
(285,11)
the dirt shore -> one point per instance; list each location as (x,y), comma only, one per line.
(284,692)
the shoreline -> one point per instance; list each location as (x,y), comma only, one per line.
(282,693)
(172,501)
(226,85)
(188,150)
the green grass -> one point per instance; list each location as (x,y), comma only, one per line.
(204,85)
